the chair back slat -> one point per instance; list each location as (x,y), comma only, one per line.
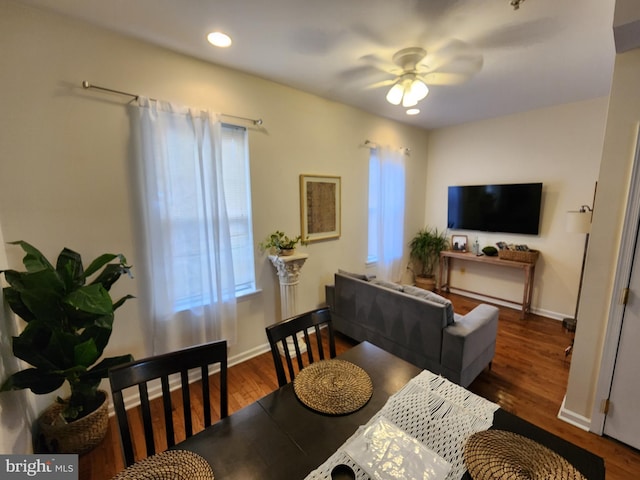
(206,404)
(308,342)
(186,401)
(147,420)
(123,427)
(140,372)
(319,341)
(287,331)
(167,408)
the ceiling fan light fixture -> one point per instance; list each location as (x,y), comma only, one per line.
(413,111)
(395,94)
(408,90)
(418,89)
(409,100)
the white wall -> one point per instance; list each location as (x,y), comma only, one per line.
(560,146)
(64,177)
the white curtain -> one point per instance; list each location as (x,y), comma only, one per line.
(391,213)
(183,230)
(16,409)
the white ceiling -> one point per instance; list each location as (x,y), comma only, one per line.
(545,53)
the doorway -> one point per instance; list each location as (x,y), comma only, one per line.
(613,413)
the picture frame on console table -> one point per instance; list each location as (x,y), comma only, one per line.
(459,243)
(320,203)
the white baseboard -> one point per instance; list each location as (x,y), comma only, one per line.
(132,399)
(573,418)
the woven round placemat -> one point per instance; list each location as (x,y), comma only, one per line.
(334,387)
(502,455)
(168,465)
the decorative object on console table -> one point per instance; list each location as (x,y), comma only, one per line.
(578,222)
(320,200)
(517,253)
(527,256)
(459,243)
(425,248)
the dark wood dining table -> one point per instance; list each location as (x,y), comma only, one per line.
(278,437)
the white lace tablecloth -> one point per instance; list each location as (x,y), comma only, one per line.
(433,410)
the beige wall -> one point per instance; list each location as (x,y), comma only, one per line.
(613,187)
(560,146)
(64,177)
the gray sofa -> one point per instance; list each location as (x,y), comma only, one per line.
(414,324)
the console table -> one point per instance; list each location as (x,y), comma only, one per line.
(528,269)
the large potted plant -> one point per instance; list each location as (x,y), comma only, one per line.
(69,320)
(425,248)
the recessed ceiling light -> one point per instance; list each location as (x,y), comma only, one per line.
(219,39)
(413,111)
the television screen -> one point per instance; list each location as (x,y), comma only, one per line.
(509,208)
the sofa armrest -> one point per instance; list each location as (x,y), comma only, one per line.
(330,296)
(469,337)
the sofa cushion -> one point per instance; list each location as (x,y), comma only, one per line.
(359,276)
(432,297)
(390,285)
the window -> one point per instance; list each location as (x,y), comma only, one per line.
(374,206)
(237,184)
(189,239)
(194,230)
(385,242)
(184,224)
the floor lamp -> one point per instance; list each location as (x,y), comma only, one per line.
(578,222)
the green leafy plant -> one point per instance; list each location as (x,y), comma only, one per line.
(69,322)
(425,248)
(280,241)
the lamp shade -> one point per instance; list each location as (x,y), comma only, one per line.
(578,222)
(394,96)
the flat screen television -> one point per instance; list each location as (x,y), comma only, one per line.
(508,208)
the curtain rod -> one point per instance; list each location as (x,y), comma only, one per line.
(87,85)
(370,144)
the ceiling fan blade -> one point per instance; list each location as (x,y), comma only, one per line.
(519,34)
(441,78)
(384,83)
(383,65)
(444,53)
(463,64)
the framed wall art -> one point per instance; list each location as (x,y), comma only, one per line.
(320,200)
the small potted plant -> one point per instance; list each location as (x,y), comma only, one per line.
(69,322)
(425,248)
(281,244)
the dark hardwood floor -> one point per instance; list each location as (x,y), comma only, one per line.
(528,378)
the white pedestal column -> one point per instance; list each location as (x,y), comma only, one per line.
(288,269)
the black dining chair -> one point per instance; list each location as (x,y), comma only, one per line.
(140,372)
(283,334)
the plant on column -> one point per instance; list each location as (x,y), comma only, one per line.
(280,243)
(69,323)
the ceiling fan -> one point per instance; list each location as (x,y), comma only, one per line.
(414,70)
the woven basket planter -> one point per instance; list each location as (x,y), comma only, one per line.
(79,436)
